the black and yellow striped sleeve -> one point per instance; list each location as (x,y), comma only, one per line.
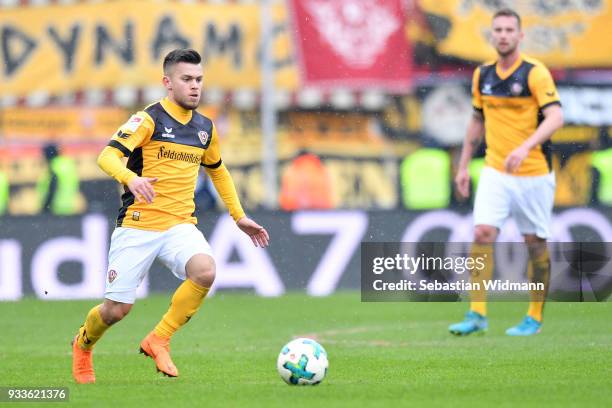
(133,133)
(476,97)
(542,86)
(212,156)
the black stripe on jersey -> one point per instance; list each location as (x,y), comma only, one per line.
(516,85)
(153,109)
(212,166)
(550,103)
(547,150)
(126,152)
(135,164)
(169,130)
(547,145)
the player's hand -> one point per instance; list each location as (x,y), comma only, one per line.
(258,234)
(514,159)
(462,182)
(142,188)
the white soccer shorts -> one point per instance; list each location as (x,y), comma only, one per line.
(528,199)
(132,252)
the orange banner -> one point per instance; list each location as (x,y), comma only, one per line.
(60,124)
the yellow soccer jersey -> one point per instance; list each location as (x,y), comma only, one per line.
(170,143)
(512,102)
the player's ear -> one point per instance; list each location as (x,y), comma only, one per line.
(167,83)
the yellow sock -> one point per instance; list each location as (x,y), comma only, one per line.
(539,271)
(478,298)
(93,328)
(185,303)
(535,310)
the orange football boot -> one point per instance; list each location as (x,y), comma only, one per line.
(82,364)
(158,349)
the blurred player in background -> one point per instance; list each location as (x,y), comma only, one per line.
(58,187)
(166,145)
(517,109)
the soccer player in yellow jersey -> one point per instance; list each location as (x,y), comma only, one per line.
(166,144)
(517,109)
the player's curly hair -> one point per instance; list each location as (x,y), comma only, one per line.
(508,12)
(187,55)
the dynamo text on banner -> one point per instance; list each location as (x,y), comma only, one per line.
(64,48)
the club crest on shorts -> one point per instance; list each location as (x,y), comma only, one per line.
(112,275)
(203,136)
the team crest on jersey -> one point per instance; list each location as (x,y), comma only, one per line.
(203,136)
(486,89)
(516,88)
(112,275)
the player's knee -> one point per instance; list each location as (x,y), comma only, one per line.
(112,312)
(120,311)
(485,234)
(202,270)
(535,245)
(534,240)
(204,277)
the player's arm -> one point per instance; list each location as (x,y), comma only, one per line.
(543,88)
(553,121)
(472,141)
(132,134)
(222,180)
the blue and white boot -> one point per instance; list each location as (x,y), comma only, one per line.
(473,322)
(528,327)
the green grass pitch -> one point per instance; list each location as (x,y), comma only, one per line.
(381,354)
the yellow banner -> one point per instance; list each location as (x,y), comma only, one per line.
(65,124)
(559,33)
(104,45)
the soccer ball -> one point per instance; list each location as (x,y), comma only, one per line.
(302,362)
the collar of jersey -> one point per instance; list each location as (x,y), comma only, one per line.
(181,115)
(506,73)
